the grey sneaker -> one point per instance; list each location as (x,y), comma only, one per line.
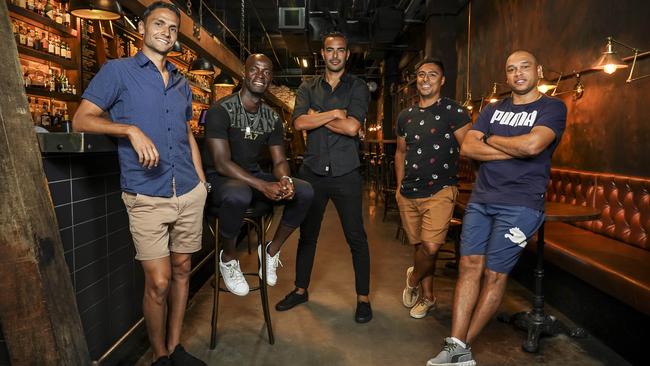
(453,354)
(410,294)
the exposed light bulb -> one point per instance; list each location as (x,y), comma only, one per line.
(609,68)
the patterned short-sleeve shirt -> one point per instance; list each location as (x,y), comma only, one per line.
(432,151)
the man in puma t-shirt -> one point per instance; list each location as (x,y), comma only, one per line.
(514,139)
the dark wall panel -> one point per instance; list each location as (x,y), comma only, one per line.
(607,129)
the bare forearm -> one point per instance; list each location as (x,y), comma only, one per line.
(399,168)
(515,146)
(281,169)
(232,170)
(100,125)
(477,150)
(196,156)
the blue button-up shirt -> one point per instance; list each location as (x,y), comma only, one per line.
(133,92)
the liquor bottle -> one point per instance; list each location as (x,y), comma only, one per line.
(57,47)
(37,41)
(44,43)
(22,39)
(30,5)
(22,3)
(35,110)
(66,16)
(58,16)
(69,53)
(30,38)
(52,81)
(27,80)
(16,29)
(49,10)
(39,7)
(46,118)
(50,44)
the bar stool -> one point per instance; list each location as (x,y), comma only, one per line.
(259,216)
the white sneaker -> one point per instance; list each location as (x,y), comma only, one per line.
(272,263)
(410,294)
(233,277)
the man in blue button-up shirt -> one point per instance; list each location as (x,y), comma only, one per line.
(149,103)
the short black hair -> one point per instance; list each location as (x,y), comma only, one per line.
(431,60)
(161,5)
(334,34)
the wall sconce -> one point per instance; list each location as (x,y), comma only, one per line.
(578,88)
(493,97)
(467,104)
(609,62)
(544,85)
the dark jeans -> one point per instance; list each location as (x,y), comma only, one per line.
(345,192)
(233,197)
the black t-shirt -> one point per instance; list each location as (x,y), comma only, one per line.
(247,133)
(432,151)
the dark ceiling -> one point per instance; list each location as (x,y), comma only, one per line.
(374,28)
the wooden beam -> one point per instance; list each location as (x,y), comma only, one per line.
(38,312)
(208,47)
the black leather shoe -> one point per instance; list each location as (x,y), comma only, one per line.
(163,361)
(363,313)
(180,357)
(291,300)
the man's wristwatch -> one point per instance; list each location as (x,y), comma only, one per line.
(287,178)
(485,138)
(208,186)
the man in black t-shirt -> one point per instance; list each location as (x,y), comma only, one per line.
(237,128)
(429,135)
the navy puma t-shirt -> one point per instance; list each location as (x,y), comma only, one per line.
(518,181)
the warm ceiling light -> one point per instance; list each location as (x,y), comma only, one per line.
(609,61)
(305,64)
(201,66)
(96,9)
(223,80)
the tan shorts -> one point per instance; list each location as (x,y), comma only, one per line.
(427,219)
(163,224)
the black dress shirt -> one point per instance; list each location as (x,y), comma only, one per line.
(330,153)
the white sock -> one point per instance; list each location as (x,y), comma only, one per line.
(459,342)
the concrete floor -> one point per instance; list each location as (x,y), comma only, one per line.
(323,331)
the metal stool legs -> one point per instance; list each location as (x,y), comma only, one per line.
(260,225)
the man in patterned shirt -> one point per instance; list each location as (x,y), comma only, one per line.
(429,135)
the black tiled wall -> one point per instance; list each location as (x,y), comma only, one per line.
(98,249)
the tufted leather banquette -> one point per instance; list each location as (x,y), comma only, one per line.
(612,253)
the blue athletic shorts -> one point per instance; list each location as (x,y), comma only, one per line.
(499,232)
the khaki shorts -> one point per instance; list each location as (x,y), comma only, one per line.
(163,224)
(427,219)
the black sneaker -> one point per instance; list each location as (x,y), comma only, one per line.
(292,300)
(180,357)
(163,361)
(363,313)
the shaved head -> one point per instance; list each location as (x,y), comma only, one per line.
(258,57)
(522,53)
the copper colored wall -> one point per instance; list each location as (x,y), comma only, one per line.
(608,130)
